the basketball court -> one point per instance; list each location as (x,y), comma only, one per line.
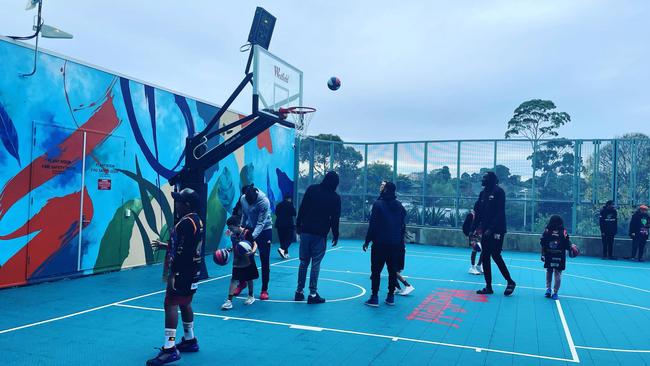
(601,317)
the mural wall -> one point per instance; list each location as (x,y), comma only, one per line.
(84,163)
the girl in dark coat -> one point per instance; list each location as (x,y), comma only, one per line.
(555,242)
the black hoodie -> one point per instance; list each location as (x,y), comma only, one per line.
(490,208)
(637,222)
(387,219)
(608,221)
(320,208)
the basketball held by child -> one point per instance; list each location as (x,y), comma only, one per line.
(244,247)
(574,251)
(334,83)
(221,256)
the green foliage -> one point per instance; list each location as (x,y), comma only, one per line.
(536,119)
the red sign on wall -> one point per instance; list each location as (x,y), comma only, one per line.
(440,308)
(104,184)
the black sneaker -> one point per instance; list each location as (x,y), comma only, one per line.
(299,296)
(485,291)
(315,299)
(510,288)
(390,299)
(188,345)
(165,356)
(373,301)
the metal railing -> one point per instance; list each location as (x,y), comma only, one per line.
(439,181)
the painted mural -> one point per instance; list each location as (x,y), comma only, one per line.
(84,164)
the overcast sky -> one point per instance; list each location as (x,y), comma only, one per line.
(410,70)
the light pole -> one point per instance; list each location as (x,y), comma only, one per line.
(40,28)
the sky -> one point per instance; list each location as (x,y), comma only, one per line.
(410,70)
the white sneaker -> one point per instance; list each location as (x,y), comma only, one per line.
(407,290)
(473,270)
(398,291)
(479,268)
(283,255)
(249,300)
(226,305)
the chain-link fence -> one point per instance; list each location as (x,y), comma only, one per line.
(439,181)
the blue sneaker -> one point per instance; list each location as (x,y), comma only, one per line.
(188,345)
(390,299)
(165,356)
(548,293)
(373,301)
(555,297)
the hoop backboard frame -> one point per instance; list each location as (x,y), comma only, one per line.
(276,83)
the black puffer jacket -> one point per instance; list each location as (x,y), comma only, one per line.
(639,221)
(320,209)
(490,208)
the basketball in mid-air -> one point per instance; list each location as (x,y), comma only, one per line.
(334,83)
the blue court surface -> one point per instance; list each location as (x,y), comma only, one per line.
(602,317)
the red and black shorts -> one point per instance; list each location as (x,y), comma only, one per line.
(179,292)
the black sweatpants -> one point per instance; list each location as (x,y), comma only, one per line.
(638,242)
(492,249)
(608,245)
(285,235)
(264,247)
(380,255)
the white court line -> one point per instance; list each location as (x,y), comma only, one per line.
(360,294)
(121,301)
(522,267)
(615,349)
(644,268)
(374,335)
(482,283)
(567,332)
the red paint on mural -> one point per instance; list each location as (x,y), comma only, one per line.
(103,121)
(263,139)
(55,224)
(439,307)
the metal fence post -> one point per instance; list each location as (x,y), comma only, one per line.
(424,181)
(395,163)
(296,169)
(633,147)
(595,173)
(577,150)
(312,148)
(457,185)
(365,180)
(332,155)
(494,165)
(614,170)
(533,193)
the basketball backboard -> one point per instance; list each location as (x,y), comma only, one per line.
(276,83)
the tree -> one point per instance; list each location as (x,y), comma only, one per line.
(535,120)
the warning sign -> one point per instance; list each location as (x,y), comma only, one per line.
(103,184)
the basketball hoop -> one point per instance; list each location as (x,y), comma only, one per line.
(300,116)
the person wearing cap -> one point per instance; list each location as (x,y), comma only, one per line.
(256,217)
(320,211)
(639,227)
(608,228)
(184,259)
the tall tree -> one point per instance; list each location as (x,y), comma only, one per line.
(536,119)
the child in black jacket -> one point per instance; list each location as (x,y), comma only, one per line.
(555,243)
(475,268)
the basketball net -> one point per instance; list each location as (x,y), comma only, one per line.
(301,117)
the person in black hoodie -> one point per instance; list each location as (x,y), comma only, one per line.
(639,226)
(608,228)
(386,232)
(284,213)
(490,219)
(320,211)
